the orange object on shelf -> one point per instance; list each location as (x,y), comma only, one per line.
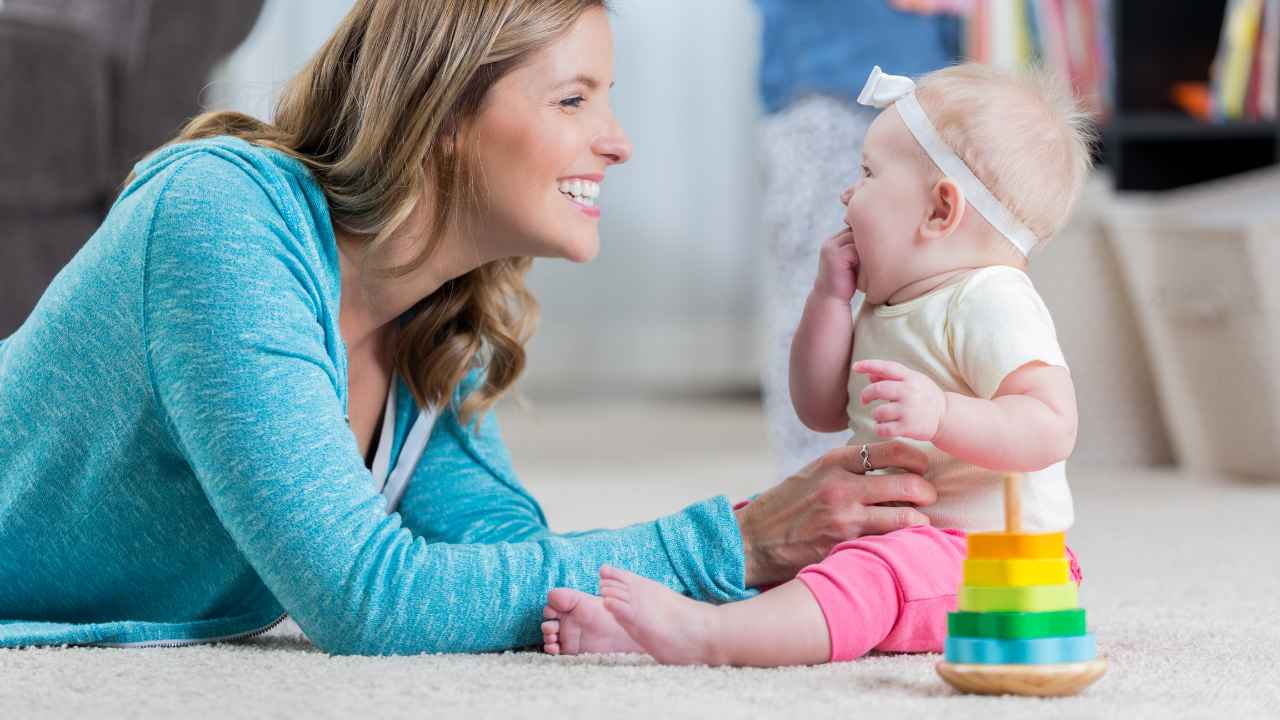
(1195,98)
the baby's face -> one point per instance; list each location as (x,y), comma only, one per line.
(886,208)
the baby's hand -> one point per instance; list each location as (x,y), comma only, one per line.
(837,267)
(914,404)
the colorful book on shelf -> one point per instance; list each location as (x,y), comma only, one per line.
(1269,62)
(1069,36)
(1242,65)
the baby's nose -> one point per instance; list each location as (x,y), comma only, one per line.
(847,195)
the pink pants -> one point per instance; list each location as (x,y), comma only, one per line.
(892,592)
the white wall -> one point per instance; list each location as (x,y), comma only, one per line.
(671,303)
(287,34)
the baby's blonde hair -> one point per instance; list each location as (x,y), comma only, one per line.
(1021,133)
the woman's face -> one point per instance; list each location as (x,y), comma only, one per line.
(544,139)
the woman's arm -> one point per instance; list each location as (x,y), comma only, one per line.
(823,343)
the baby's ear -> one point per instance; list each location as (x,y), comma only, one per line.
(946,208)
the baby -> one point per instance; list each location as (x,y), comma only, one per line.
(951,350)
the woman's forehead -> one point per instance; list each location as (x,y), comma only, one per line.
(582,55)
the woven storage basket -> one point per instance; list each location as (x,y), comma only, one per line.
(1202,267)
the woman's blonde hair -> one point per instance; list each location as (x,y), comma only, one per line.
(383,113)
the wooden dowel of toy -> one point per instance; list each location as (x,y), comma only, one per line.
(1013,502)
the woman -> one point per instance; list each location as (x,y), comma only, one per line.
(192,413)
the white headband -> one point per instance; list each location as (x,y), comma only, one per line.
(883,90)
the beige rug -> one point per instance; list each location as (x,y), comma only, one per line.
(1182,581)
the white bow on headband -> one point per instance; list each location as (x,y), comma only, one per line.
(883,90)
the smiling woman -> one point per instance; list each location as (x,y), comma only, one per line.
(388,128)
(263,385)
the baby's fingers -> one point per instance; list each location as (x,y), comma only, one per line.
(888,412)
(891,391)
(893,429)
(886,369)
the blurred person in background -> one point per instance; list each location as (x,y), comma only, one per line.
(817,55)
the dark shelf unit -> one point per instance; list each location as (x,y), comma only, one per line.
(1150,144)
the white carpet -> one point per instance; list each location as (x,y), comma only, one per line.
(1182,577)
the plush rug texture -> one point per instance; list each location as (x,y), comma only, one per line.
(1181,580)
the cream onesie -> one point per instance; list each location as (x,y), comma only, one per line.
(966,338)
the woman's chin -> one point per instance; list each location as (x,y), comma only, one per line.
(583,255)
(576,252)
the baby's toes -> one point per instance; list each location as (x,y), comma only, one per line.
(551,637)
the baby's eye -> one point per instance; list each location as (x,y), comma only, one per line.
(866,171)
(572,102)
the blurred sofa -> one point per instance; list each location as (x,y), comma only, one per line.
(88,87)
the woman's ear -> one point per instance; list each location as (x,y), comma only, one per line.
(946,209)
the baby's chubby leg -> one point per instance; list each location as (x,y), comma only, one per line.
(890,592)
(784,626)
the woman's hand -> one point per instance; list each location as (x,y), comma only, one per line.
(830,501)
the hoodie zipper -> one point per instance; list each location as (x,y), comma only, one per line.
(196,641)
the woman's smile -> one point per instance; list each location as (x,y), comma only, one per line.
(581,191)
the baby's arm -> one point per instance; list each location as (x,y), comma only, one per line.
(1028,424)
(823,343)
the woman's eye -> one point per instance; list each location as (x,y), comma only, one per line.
(572,102)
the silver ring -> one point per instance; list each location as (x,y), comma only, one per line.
(866,458)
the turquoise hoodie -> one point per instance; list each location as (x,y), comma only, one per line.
(175,464)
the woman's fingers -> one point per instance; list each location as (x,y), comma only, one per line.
(882,455)
(903,487)
(893,455)
(881,520)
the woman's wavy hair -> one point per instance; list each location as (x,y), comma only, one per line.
(385,112)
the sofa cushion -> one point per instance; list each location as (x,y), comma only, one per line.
(55,118)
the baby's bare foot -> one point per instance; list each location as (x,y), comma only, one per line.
(578,623)
(672,628)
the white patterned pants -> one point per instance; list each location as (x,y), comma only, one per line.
(810,152)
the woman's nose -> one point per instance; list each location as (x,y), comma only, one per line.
(847,195)
(613,144)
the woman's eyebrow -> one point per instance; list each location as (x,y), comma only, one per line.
(587,80)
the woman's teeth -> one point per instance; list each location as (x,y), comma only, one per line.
(583,191)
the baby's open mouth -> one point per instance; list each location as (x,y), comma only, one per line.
(583,191)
